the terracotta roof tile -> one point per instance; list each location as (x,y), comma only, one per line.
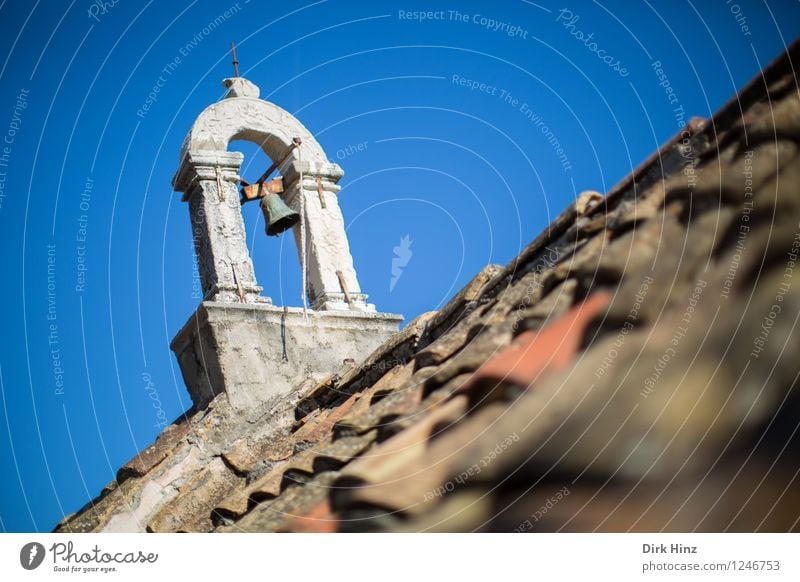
(189,511)
(320,519)
(155,453)
(410,443)
(532,353)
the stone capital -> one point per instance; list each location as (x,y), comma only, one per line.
(201,165)
(328,171)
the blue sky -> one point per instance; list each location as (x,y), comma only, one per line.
(467,129)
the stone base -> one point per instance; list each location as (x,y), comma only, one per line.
(338,302)
(256,351)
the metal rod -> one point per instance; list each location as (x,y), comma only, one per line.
(321,192)
(235,61)
(285,356)
(295,143)
(344,288)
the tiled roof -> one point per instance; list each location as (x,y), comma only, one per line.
(635,368)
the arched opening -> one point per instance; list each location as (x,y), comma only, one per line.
(275,259)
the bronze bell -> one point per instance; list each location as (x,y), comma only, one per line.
(277,215)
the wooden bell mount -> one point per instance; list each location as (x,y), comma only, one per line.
(260,189)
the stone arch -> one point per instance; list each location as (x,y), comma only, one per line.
(209,174)
(253,120)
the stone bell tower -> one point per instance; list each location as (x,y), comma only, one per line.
(237,341)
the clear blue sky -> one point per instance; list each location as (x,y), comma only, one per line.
(449,112)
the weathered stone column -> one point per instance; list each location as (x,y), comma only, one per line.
(209,181)
(328,252)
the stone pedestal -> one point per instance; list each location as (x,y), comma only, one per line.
(256,351)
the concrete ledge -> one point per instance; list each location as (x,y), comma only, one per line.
(254,352)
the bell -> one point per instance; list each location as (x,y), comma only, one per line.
(277,215)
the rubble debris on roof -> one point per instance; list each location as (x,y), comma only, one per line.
(634,369)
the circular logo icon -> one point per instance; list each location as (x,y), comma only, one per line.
(31,555)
